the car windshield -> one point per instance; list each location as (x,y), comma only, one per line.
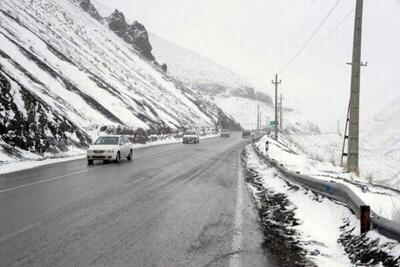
(107,140)
(190,132)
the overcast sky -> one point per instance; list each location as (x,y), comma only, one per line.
(257,38)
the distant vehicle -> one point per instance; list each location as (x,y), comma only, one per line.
(191,136)
(246,134)
(225,133)
(110,148)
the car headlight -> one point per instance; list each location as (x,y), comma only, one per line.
(89,151)
(110,150)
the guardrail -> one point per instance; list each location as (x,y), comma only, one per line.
(337,191)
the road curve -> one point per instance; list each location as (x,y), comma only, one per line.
(173,205)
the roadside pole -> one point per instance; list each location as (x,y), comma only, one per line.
(354,107)
(276,82)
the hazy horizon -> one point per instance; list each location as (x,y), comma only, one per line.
(257,39)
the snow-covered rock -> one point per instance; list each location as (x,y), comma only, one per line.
(134,34)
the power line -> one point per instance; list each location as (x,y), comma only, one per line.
(320,43)
(311,36)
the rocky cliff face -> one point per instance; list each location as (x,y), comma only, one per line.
(88,7)
(134,34)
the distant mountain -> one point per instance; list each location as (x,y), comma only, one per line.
(63,72)
(244,110)
(381,140)
(203,74)
(228,90)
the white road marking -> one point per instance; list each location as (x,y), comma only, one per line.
(48,179)
(19,232)
(235,260)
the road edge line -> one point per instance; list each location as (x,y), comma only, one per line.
(235,259)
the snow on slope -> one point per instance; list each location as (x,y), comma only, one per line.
(384,131)
(381,142)
(244,111)
(82,73)
(232,93)
(379,147)
(201,73)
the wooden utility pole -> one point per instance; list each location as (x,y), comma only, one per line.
(276,82)
(354,108)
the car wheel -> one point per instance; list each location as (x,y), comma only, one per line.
(130,155)
(90,161)
(118,157)
(184,142)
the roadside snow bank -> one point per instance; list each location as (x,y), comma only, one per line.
(317,219)
(321,223)
(383,200)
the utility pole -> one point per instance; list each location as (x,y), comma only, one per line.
(276,82)
(354,108)
(281,113)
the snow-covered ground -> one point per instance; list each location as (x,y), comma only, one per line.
(378,164)
(311,159)
(320,220)
(324,222)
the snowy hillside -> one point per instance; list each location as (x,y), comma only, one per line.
(233,94)
(384,131)
(381,140)
(64,72)
(203,74)
(245,112)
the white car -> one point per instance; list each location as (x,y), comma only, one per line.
(191,136)
(110,148)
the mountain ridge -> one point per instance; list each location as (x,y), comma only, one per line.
(81,75)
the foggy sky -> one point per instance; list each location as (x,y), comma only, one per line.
(257,39)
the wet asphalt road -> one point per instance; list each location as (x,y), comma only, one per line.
(173,205)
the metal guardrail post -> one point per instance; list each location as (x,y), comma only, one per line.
(365,219)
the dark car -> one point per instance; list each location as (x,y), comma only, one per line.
(246,134)
(225,133)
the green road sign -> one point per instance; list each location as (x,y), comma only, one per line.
(272,123)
